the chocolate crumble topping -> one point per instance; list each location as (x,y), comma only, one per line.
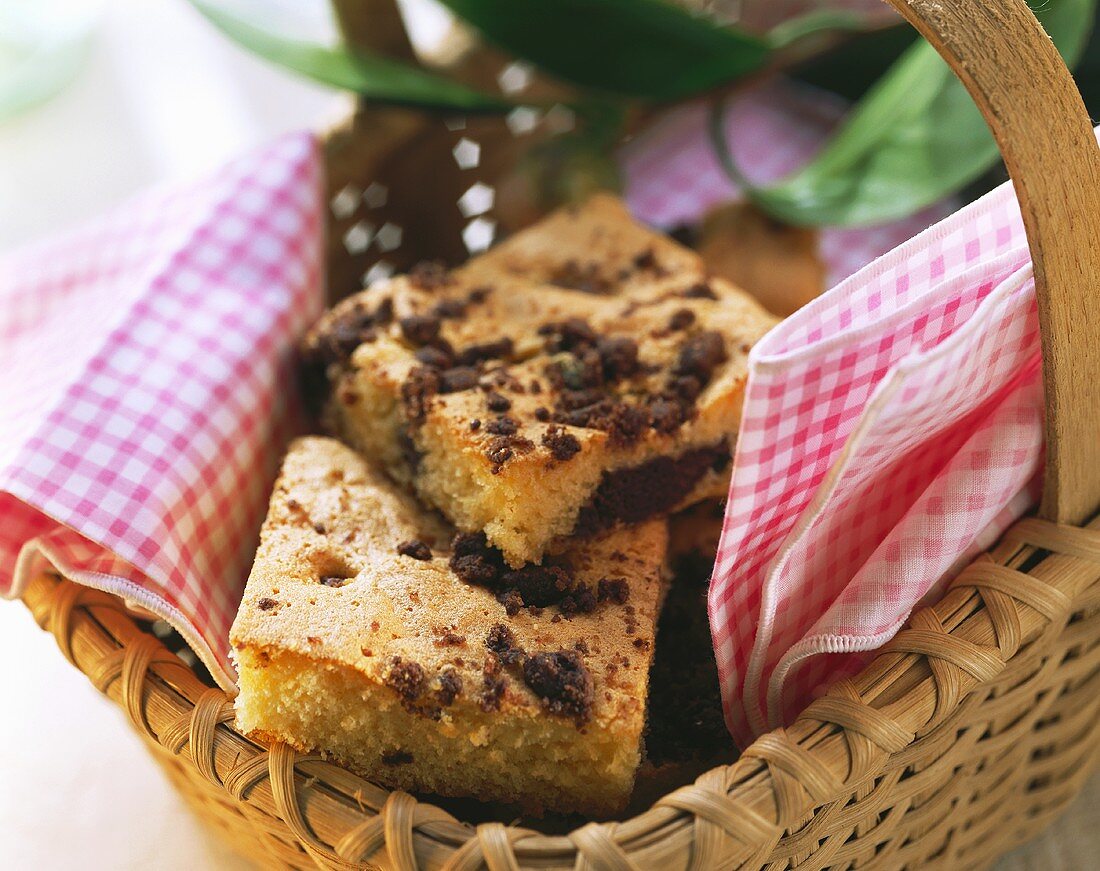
(471,355)
(334,581)
(434,356)
(700,355)
(474,561)
(417,392)
(615,590)
(266,604)
(416,549)
(449,309)
(458,379)
(563,445)
(562,682)
(346,332)
(450,638)
(477,563)
(501,641)
(633,494)
(542,413)
(681,319)
(493,684)
(420,329)
(450,686)
(475,424)
(701,290)
(407,679)
(498,402)
(504,426)
(645,259)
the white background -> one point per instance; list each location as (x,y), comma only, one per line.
(161,96)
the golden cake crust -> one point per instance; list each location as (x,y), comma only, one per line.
(507,389)
(334,601)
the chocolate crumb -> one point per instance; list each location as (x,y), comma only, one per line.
(681,319)
(701,290)
(493,684)
(337,339)
(449,309)
(474,561)
(700,355)
(562,682)
(420,329)
(498,402)
(503,448)
(618,356)
(580,601)
(502,641)
(478,294)
(475,424)
(450,638)
(319,528)
(458,379)
(500,349)
(407,679)
(542,413)
(450,686)
(615,590)
(416,549)
(266,604)
(642,643)
(436,357)
(504,426)
(334,581)
(511,600)
(417,391)
(397,757)
(563,445)
(645,259)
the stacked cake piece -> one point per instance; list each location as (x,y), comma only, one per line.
(550,403)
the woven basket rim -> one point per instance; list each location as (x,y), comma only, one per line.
(840,742)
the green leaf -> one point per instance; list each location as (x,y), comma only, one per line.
(915,137)
(636,48)
(813,23)
(372,76)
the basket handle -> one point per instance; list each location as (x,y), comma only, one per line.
(1028,97)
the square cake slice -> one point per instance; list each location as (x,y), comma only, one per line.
(370,632)
(583,373)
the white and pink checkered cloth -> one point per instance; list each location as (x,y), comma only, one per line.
(892,428)
(147,394)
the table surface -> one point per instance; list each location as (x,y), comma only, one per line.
(78,789)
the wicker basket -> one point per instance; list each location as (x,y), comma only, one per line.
(963,738)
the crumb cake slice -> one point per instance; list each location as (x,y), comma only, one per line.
(583,373)
(370,632)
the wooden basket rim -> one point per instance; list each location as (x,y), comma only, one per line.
(914,687)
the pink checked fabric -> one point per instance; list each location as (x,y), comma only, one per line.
(147,391)
(672,176)
(892,430)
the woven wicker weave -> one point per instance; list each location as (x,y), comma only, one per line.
(965,736)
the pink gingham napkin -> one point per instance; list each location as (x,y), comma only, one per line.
(892,430)
(672,176)
(147,389)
